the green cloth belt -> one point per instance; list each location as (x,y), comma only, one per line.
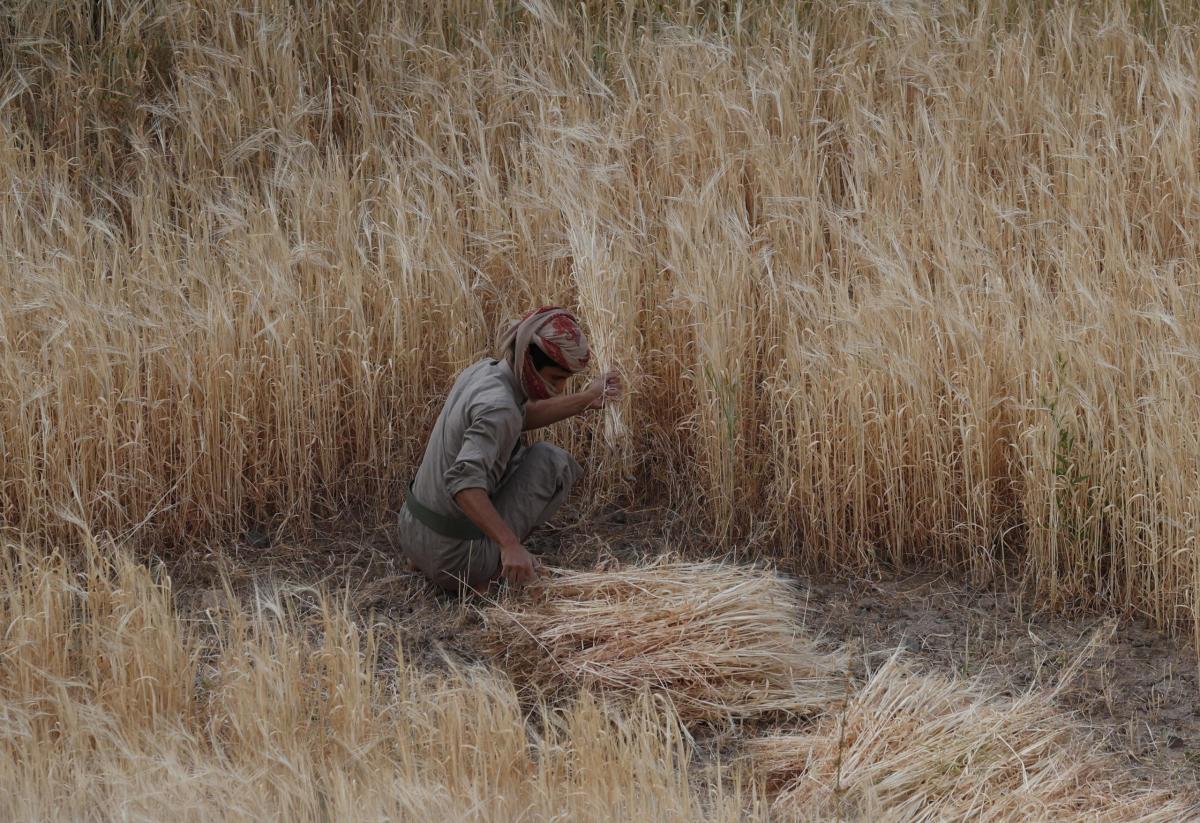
(460,528)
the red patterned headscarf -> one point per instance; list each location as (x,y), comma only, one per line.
(556,332)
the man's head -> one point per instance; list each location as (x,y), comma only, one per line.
(553,375)
(544,348)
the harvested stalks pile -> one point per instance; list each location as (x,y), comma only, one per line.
(723,642)
(917,747)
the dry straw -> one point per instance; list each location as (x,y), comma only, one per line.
(723,642)
(115,707)
(917,747)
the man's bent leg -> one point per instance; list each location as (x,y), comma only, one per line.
(536,488)
(529,496)
(471,563)
(446,561)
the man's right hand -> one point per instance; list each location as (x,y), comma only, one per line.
(517,565)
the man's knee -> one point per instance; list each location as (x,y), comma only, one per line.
(562,466)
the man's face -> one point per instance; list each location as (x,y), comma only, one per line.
(556,378)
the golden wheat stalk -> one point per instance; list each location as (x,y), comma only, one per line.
(891,283)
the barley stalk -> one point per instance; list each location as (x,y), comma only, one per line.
(889,282)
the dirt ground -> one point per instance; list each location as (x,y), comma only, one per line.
(1135,687)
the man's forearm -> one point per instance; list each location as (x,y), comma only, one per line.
(540,413)
(476,505)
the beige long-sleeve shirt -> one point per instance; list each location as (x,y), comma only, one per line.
(476,437)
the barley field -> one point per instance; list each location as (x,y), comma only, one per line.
(889,282)
(892,284)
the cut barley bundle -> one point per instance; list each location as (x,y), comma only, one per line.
(723,642)
(599,305)
(917,747)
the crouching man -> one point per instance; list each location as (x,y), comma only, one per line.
(479,491)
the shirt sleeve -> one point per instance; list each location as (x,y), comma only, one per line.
(487,442)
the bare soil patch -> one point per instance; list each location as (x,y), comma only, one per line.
(1135,686)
